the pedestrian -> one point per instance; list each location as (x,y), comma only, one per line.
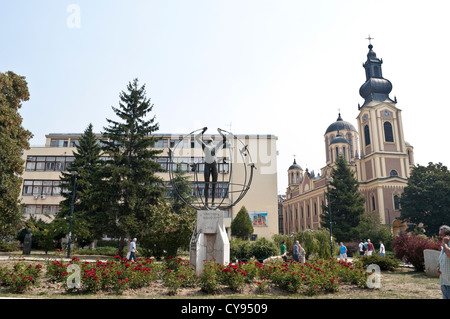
(302,253)
(342,251)
(365,245)
(362,248)
(283,251)
(369,248)
(444,261)
(382,249)
(133,250)
(296,251)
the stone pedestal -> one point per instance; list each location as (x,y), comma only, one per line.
(209,240)
(431,258)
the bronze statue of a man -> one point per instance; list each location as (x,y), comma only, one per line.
(210,150)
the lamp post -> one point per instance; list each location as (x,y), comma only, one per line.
(328,180)
(74,174)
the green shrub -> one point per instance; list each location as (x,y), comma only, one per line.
(263,248)
(385,263)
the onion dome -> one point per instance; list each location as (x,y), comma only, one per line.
(376,88)
(340,125)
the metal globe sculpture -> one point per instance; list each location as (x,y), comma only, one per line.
(212,169)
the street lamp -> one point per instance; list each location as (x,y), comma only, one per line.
(74,174)
(328,180)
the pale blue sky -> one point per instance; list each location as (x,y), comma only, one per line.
(280,67)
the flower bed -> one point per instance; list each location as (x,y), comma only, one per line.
(119,275)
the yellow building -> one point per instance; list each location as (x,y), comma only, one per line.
(43,166)
(376,150)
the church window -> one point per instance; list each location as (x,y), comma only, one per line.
(328,154)
(396,202)
(367,135)
(377,72)
(393,173)
(388,134)
(337,153)
(373,203)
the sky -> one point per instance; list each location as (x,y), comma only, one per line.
(284,67)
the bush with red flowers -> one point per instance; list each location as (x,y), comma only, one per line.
(23,276)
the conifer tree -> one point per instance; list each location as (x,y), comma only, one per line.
(86,165)
(241,226)
(13,140)
(347,203)
(129,184)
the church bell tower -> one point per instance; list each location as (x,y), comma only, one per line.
(385,157)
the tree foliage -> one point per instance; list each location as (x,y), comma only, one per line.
(347,203)
(426,199)
(87,162)
(241,226)
(167,230)
(129,184)
(13,140)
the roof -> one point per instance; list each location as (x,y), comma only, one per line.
(340,125)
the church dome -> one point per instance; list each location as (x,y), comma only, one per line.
(340,125)
(339,139)
(295,166)
(376,88)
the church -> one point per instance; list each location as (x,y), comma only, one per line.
(375,150)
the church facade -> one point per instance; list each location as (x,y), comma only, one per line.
(375,149)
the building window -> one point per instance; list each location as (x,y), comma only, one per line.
(388,134)
(393,173)
(396,202)
(373,203)
(38,188)
(41,209)
(163,143)
(48,163)
(367,135)
(59,142)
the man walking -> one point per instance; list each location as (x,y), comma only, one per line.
(444,261)
(342,251)
(133,250)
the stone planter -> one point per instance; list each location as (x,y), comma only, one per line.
(431,258)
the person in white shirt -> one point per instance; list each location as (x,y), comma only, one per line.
(382,249)
(361,248)
(133,250)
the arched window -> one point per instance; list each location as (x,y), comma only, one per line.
(388,135)
(396,202)
(367,135)
(393,173)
